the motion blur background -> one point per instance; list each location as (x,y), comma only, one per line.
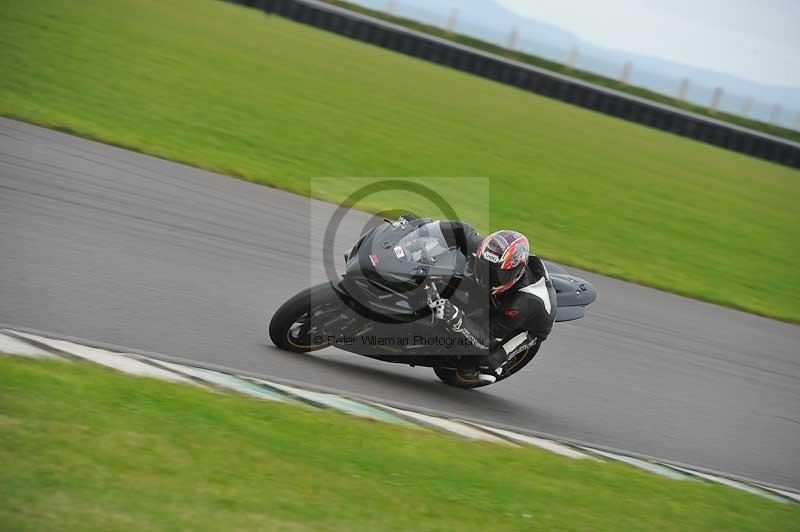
(737,57)
(135,138)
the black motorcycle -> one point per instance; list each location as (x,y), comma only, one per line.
(379,307)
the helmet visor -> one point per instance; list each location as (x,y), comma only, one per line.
(491,277)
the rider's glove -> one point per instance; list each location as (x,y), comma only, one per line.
(444,310)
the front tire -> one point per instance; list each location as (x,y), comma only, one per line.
(292,326)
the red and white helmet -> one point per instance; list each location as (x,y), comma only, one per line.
(500,260)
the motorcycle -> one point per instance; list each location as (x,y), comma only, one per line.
(379,306)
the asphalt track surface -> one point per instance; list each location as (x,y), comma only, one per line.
(113,246)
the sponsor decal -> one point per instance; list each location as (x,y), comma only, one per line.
(512,313)
(491,257)
(399,252)
(524,346)
(374,259)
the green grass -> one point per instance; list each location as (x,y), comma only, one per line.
(561,68)
(84,448)
(229,89)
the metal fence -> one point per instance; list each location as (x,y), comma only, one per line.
(533,79)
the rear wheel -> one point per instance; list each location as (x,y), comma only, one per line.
(299,324)
(461,378)
(458,377)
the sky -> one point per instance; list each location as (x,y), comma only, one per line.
(758,40)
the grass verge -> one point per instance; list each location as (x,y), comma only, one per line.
(86,448)
(229,89)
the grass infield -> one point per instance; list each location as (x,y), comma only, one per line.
(230,89)
(85,448)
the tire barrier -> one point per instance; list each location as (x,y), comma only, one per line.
(527,77)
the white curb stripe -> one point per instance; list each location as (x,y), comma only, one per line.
(14,346)
(788,494)
(224,380)
(109,359)
(658,469)
(547,445)
(733,484)
(335,402)
(449,425)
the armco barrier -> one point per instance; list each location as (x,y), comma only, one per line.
(533,79)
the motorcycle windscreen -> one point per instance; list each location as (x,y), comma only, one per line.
(427,245)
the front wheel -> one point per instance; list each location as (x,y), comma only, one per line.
(298,324)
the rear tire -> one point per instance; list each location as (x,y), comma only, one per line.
(459,379)
(286,326)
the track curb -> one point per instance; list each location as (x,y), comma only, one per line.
(36,343)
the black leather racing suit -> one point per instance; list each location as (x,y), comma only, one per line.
(518,319)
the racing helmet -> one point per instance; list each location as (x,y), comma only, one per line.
(500,260)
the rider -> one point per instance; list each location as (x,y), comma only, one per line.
(522,301)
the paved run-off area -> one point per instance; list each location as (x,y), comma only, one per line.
(109,245)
